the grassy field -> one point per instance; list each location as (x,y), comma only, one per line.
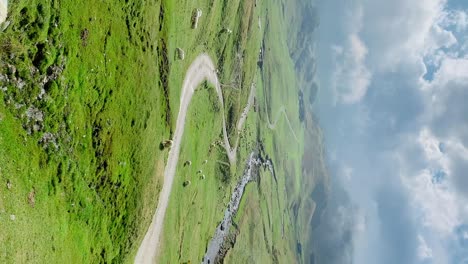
(89,89)
(195,210)
(274,223)
(82,118)
(275,217)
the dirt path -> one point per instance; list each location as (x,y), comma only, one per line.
(201,69)
(272,126)
(247,108)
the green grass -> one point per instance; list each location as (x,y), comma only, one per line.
(260,223)
(236,73)
(270,207)
(194,210)
(197,209)
(95,192)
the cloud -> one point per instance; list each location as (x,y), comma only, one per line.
(439,38)
(436,195)
(452,72)
(398,235)
(437,204)
(457,19)
(351,77)
(398,124)
(400,32)
(460,176)
(447,119)
(424,252)
(386,36)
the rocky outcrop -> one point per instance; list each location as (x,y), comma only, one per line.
(3,10)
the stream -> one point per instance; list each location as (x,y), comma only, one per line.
(215,252)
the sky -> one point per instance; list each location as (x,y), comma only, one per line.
(393,103)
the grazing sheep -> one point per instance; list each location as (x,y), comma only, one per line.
(186,183)
(199,172)
(203,177)
(167,143)
(187,163)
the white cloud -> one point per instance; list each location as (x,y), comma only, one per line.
(446,105)
(386,36)
(455,18)
(405,39)
(424,252)
(351,77)
(465,235)
(401,32)
(437,38)
(452,70)
(391,36)
(429,145)
(346,172)
(423,36)
(438,205)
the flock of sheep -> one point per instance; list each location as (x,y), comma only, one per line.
(200,172)
(167,144)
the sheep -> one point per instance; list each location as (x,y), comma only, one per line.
(167,143)
(186,183)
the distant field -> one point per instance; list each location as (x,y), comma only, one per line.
(274,224)
(89,89)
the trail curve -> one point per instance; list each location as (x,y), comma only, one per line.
(272,126)
(200,70)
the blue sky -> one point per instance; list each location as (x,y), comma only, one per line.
(394,107)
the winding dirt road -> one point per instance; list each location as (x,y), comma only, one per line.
(200,70)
